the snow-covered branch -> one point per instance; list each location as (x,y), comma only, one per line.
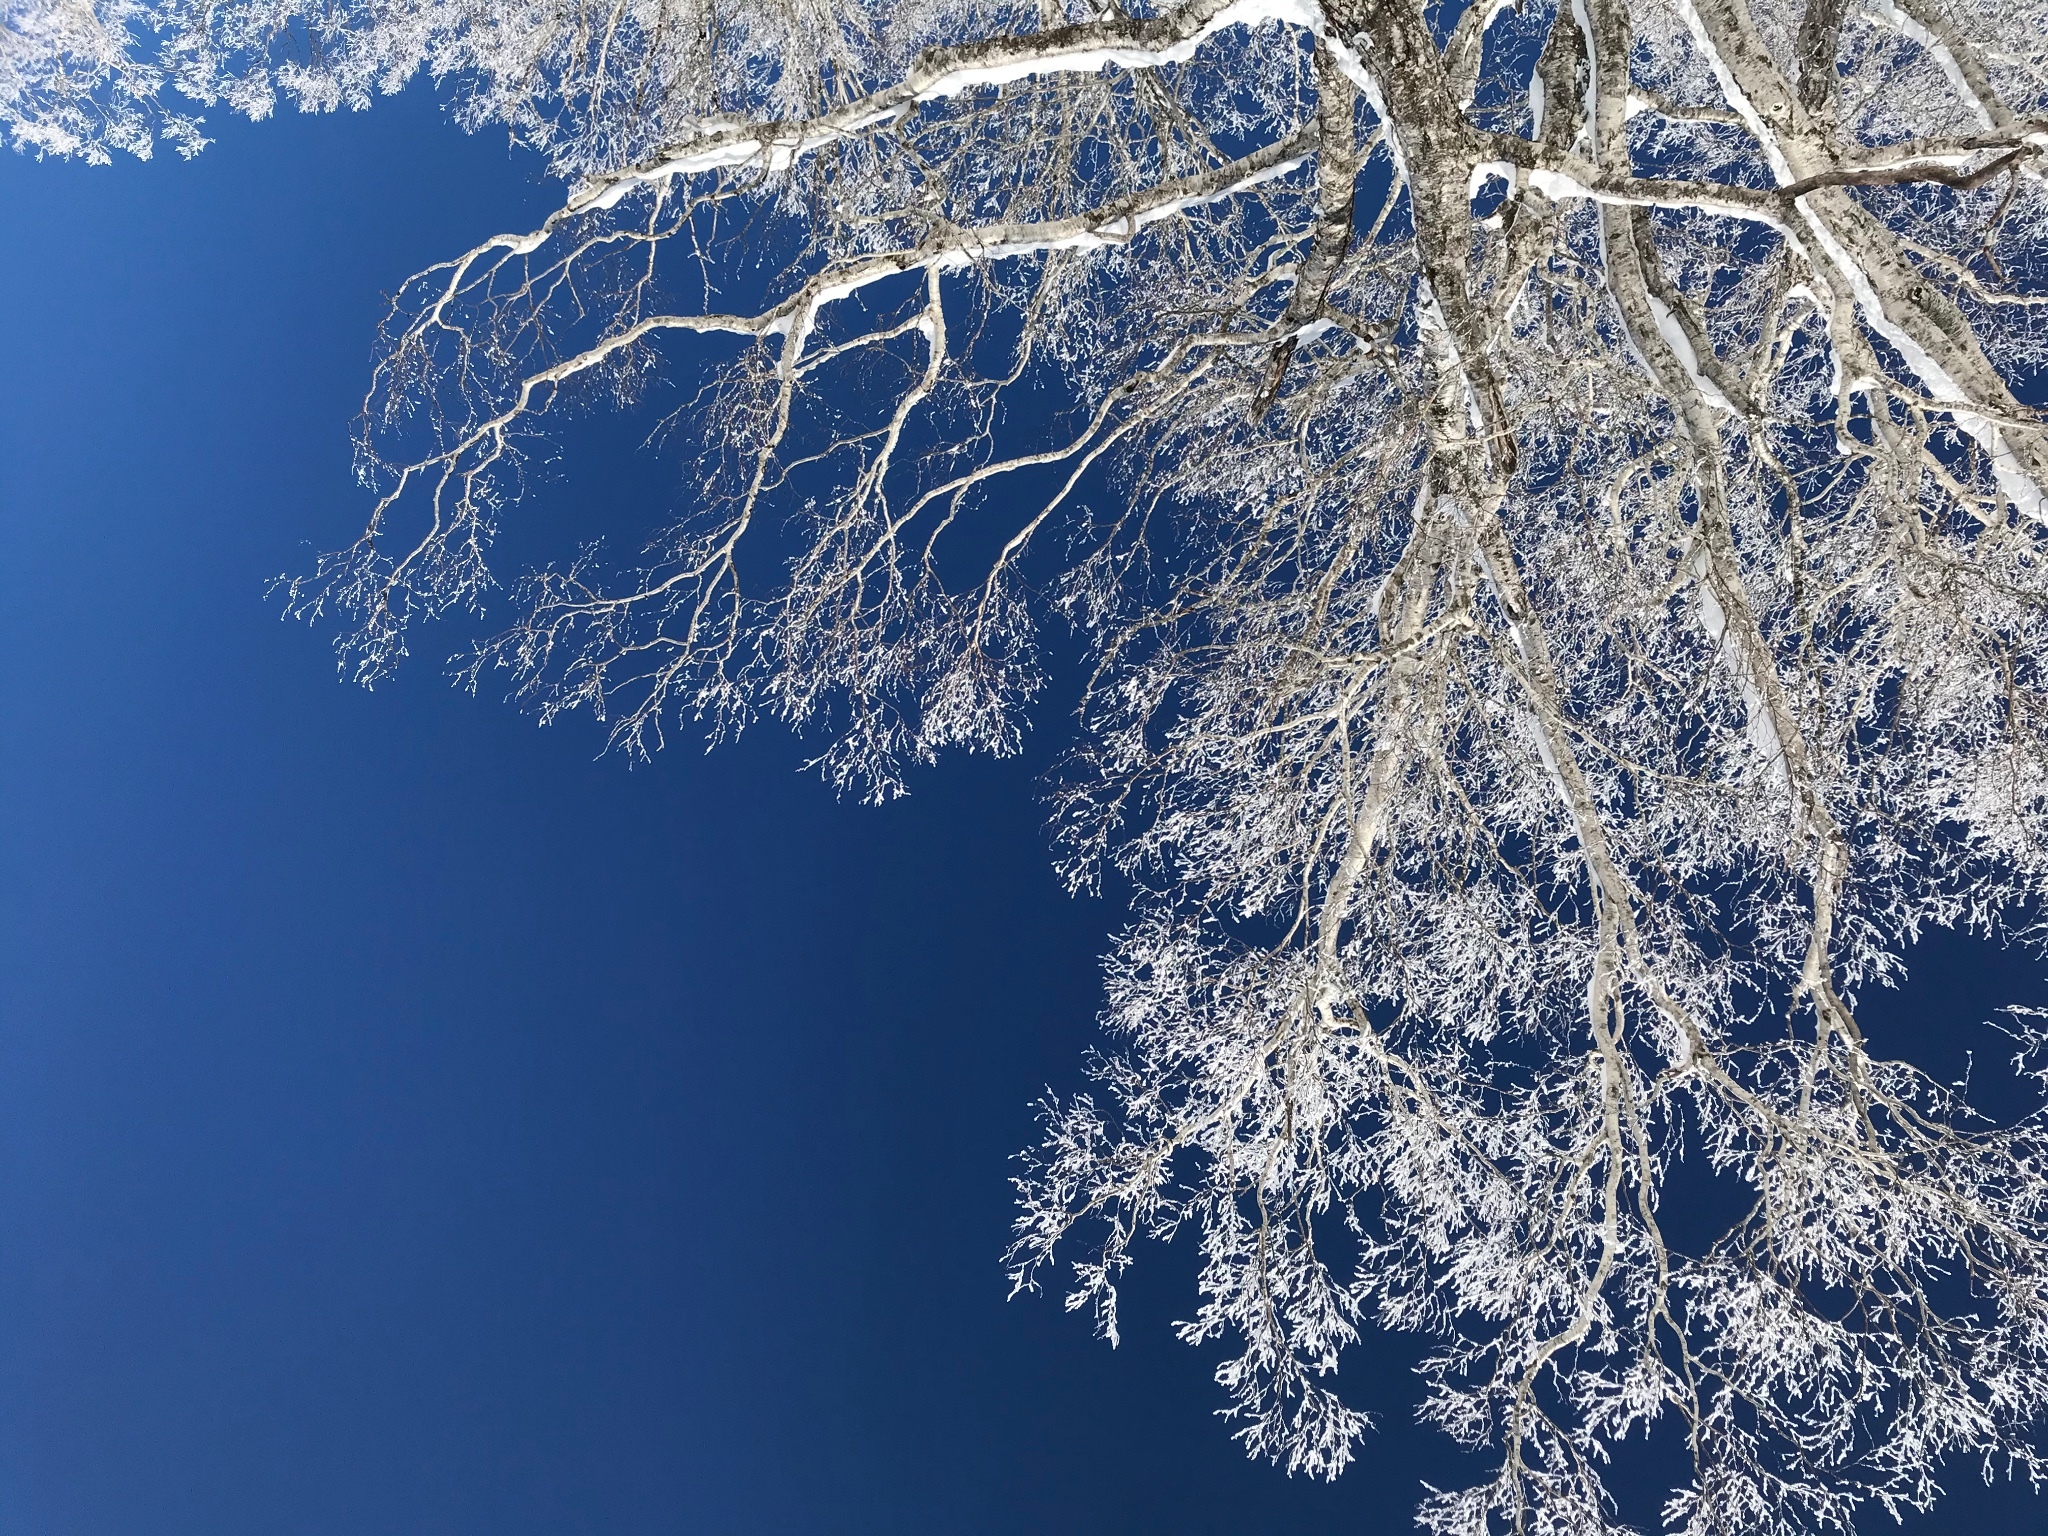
(1552,495)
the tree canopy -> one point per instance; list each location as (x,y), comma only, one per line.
(1553,504)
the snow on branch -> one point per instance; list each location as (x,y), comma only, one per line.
(1551,497)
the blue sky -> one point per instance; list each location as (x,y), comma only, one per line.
(410,1123)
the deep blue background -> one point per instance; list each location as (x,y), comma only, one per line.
(410,1124)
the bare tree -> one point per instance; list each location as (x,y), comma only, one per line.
(1549,493)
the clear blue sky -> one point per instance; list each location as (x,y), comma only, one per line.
(409,1124)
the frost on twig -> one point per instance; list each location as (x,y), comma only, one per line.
(1551,494)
